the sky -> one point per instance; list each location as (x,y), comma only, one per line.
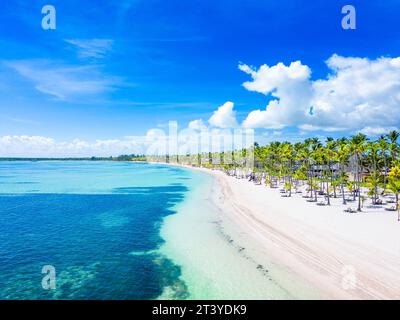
(114,72)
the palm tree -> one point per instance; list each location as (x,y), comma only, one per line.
(357,147)
(287,156)
(307,156)
(316,158)
(373,162)
(394,185)
(384,149)
(393,145)
(343,156)
(332,157)
(322,167)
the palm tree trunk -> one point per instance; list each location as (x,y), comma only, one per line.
(334,187)
(327,193)
(384,175)
(342,183)
(315,193)
(311,183)
(398,207)
(344,198)
(359,185)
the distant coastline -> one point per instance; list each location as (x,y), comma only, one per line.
(137,158)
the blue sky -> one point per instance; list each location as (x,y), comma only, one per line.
(118,68)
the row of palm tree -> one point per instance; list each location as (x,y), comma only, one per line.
(335,165)
(332,166)
(328,169)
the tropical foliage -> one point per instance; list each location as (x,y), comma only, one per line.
(345,168)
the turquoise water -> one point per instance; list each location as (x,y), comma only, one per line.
(116,230)
(97,223)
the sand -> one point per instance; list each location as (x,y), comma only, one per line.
(312,252)
(343,255)
(211,256)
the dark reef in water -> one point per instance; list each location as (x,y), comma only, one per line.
(88,238)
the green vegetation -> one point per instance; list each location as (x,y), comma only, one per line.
(394,186)
(328,170)
(132,157)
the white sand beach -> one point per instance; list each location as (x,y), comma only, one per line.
(343,255)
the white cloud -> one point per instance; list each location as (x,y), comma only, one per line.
(197,125)
(38,146)
(289,85)
(267,79)
(64,81)
(359,94)
(91,48)
(310,127)
(377,131)
(156,141)
(269,133)
(224,117)
(197,137)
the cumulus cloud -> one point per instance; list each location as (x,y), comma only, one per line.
(197,125)
(221,133)
(358,95)
(289,87)
(266,79)
(224,117)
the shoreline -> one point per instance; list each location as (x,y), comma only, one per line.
(341,256)
(216,262)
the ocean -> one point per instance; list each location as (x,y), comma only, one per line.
(121,230)
(97,223)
